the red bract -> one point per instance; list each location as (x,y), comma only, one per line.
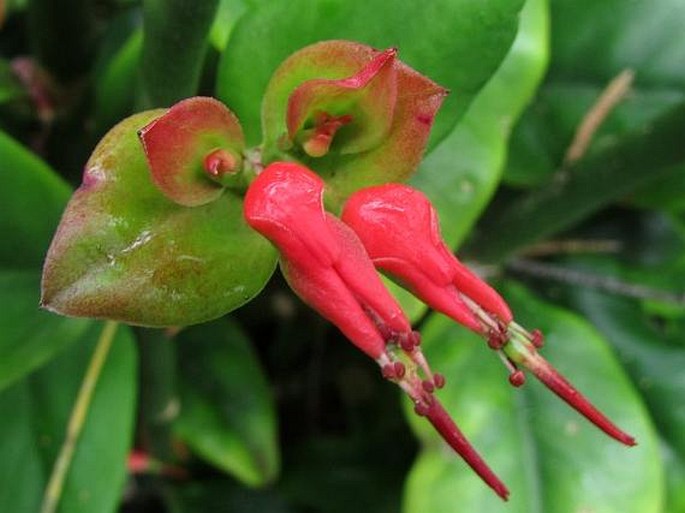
(194,150)
(400,231)
(327,266)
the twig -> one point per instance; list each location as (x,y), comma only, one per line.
(590,280)
(593,119)
(572,246)
(53,491)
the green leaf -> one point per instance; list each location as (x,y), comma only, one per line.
(174,46)
(30,337)
(227,412)
(227,15)
(552,459)
(461,174)
(126,252)
(615,36)
(115,84)
(654,364)
(31,199)
(443,40)
(34,415)
(589,185)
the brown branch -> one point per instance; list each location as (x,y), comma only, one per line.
(612,95)
(594,281)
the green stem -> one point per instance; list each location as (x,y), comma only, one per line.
(53,492)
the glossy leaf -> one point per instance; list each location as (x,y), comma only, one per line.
(115,85)
(456,52)
(552,459)
(616,36)
(126,252)
(174,46)
(30,337)
(35,413)
(654,364)
(227,412)
(461,174)
(592,183)
(193,149)
(227,15)
(31,200)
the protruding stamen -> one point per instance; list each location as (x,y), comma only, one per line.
(438,380)
(552,379)
(219,162)
(516,377)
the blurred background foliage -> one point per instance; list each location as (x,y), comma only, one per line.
(558,169)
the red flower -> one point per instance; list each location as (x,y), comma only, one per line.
(400,231)
(326,265)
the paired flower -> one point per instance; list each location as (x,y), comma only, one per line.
(400,231)
(326,264)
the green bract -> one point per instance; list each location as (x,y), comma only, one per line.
(126,252)
(337,78)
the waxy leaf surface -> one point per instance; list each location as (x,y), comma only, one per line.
(125,251)
(35,412)
(227,411)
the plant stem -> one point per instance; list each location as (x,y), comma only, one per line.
(53,491)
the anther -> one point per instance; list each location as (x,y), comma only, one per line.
(421,409)
(406,342)
(438,380)
(399,370)
(389,371)
(416,338)
(517,378)
(495,340)
(537,338)
(428,386)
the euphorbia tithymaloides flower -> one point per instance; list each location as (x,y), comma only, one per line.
(400,231)
(326,265)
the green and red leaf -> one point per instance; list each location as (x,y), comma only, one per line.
(193,149)
(125,251)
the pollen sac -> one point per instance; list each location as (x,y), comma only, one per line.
(194,150)
(357,115)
